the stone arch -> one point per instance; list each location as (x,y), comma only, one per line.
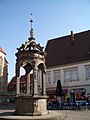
(27,66)
(42,67)
(41,84)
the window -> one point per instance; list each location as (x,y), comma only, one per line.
(56,76)
(48,78)
(71,74)
(74,74)
(24,84)
(67,75)
(21,85)
(87,72)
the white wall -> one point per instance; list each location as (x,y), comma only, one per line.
(3,56)
(80,83)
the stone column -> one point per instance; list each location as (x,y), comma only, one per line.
(28,83)
(17,86)
(17,80)
(43,84)
(35,81)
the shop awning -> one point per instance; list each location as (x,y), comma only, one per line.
(53,92)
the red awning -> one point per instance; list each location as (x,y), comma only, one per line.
(53,92)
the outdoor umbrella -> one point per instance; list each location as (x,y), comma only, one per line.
(59,91)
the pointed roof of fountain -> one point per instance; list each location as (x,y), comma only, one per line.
(31,44)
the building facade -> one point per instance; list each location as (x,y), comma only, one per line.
(3,76)
(68,59)
(12,86)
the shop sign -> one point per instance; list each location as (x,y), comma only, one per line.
(79,90)
(88,94)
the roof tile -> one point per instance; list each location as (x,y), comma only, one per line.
(63,50)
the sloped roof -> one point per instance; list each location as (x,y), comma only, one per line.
(6,62)
(1,50)
(22,79)
(64,50)
(13,81)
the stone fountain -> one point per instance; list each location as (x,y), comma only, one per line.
(31,57)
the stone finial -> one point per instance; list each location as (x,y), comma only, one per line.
(31,31)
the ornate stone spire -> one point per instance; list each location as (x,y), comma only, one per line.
(31,31)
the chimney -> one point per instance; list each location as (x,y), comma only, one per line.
(72,36)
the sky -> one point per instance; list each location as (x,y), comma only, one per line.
(52,19)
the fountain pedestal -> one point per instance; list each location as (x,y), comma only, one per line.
(31,105)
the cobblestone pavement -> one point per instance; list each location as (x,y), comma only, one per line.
(76,114)
(7,110)
(64,115)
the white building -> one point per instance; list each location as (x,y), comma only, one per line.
(3,76)
(68,59)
